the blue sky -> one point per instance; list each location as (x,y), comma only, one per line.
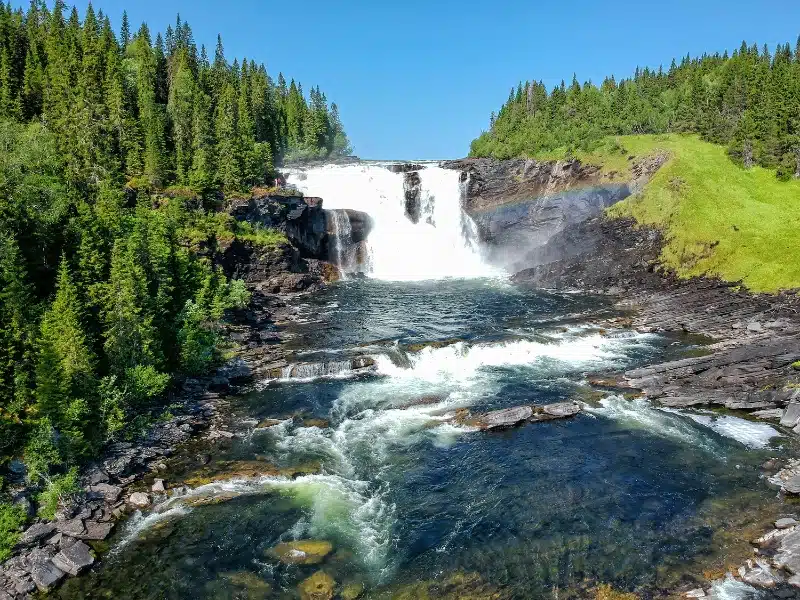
(419,78)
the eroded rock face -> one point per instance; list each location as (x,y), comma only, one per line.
(412,188)
(301,219)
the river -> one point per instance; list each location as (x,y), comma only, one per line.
(417,504)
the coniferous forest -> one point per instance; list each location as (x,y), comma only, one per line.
(116,149)
(748,101)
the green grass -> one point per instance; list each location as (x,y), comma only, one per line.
(718,218)
(260,236)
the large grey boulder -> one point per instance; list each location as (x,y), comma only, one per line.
(75,559)
(46,575)
(507,417)
(35,533)
(791,417)
(110,493)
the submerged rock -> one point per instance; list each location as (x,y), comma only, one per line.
(352,591)
(249,585)
(303,552)
(319,586)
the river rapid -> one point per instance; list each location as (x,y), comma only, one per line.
(414,504)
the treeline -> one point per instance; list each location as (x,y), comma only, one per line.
(748,101)
(127,106)
(109,294)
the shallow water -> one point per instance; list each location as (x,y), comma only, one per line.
(624,493)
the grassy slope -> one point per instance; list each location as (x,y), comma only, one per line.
(719,219)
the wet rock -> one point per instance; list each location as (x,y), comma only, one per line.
(110,493)
(319,423)
(754,327)
(139,500)
(788,555)
(768,414)
(561,410)
(46,575)
(695,593)
(319,586)
(266,423)
(759,573)
(412,187)
(251,586)
(791,417)
(35,533)
(788,478)
(303,552)
(352,591)
(75,559)
(158,486)
(504,418)
(785,523)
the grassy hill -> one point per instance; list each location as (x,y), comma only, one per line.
(719,219)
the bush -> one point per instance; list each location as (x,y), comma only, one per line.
(12,518)
(260,236)
(61,489)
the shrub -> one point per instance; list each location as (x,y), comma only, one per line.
(61,489)
(12,518)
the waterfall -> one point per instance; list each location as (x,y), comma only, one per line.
(444,243)
(341,241)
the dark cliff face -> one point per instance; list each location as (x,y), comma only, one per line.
(301,219)
(310,257)
(519,205)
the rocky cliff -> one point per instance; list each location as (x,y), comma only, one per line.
(316,238)
(519,205)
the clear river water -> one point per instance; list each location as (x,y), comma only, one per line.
(404,501)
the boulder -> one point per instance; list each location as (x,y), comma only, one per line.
(139,500)
(507,417)
(75,559)
(303,552)
(110,493)
(788,555)
(319,586)
(96,531)
(72,527)
(562,410)
(35,533)
(791,416)
(158,486)
(759,573)
(785,523)
(46,575)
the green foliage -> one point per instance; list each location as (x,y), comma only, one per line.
(260,236)
(749,102)
(12,519)
(719,219)
(796,365)
(60,490)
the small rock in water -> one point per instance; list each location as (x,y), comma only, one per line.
(507,417)
(139,500)
(317,587)
(695,593)
(158,486)
(754,327)
(303,552)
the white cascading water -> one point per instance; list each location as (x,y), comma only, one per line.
(443,244)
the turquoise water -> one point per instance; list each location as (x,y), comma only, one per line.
(624,493)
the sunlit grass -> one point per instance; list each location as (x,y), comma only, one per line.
(718,218)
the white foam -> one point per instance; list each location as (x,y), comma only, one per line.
(640,413)
(748,433)
(443,244)
(730,589)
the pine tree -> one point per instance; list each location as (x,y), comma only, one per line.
(229,155)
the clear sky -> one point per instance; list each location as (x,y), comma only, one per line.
(417,79)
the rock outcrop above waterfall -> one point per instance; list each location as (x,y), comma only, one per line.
(302,219)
